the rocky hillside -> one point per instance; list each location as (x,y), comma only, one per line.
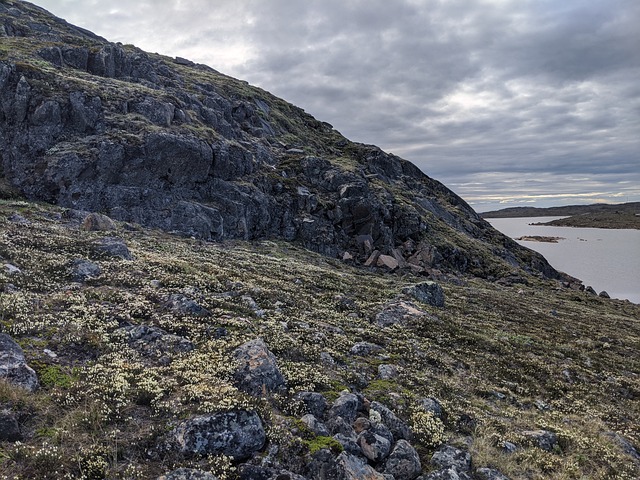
(127,353)
(169,144)
(353,319)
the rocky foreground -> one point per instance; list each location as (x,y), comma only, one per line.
(130,353)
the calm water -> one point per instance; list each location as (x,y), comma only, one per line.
(605,259)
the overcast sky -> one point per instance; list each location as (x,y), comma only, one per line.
(507,102)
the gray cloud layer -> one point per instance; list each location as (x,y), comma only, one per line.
(513,101)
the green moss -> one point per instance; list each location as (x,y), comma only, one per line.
(319,443)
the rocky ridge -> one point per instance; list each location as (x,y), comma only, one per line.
(104,127)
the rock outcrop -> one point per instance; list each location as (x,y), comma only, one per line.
(103,127)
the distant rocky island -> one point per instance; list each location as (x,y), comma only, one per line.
(599,215)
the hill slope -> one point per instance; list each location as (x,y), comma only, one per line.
(97,126)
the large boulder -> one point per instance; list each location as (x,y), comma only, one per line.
(238,434)
(257,372)
(13,366)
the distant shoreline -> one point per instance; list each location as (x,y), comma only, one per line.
(618,216)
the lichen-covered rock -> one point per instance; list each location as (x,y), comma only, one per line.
(83,270)
(314,403)
(13,366)
(346,406)
(181,304)
(403,461)
(543,439)
(374,447)
(451,457)
(350,467)
(188,474)
(398,428)
(9,427)
(427,292)
(238,434)
(257,372)
(113,247)
(365,348)
(315,425)
(490,474)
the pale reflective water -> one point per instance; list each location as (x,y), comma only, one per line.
(606,259)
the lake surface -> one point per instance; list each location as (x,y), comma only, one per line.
(606,259)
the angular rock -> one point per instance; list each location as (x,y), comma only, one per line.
(9,427)
(399,313)
(13,366)
(181,304)
(426,292)
(403,461)
(490,474)
(346,406)
(544,439)
(387,261)
(374,447)
(349,444)
(257,372)
(315,425)
(188,474)
(364,348)
(314,403)
(83,270)
(398,428)
(604,294)
(113,247)
(350,467)
(338,425)
(450,457)
(238,434)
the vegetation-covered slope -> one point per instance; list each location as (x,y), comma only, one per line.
(502,360)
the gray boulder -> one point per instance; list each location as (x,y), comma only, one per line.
(188,474)
(403,462)
(238,434)
(9,427)
(315,425)
(113,247)
(399,313)
(430,404)
(257,372)
(364,348)
(426,292)
(350,467)
(13,366)
(544,439)
(446,474)
(450,457)
(490,474)
(83,270)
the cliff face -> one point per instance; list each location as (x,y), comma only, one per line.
(166,143)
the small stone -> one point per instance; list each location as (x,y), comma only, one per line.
(361,424)
(509,447)
(430,404)
(114,247)
(12,269)
(349,444)
(314,403)
(346,406)
(374,447)
(179,303)
(18,219)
